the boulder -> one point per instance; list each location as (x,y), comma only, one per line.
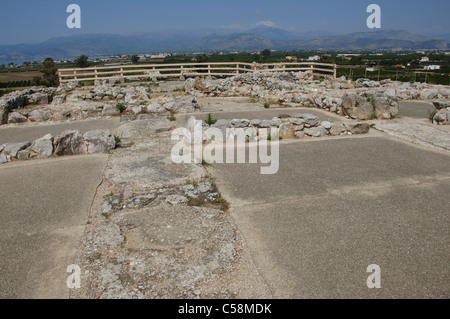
(70,143)
(16,117)
(155,108)
(92,110)
(136,109)
(327,125)
(39,116)
(186,105)
(39,98)
(43,146)
(3,112)
(300,127)
(9,103)
(429,94)
(300,134)
(445,92)
(3,159)
(441,104)
(316,131)
(440,118)
(357,128)
(240,123)
(357,107)
(296,121)
(337,129)
(390,93)
(260,123)
(59,99)
(110,110)
(23,155)
(99,141)
(287,130)
(275,122)
(311,120)
(384,107)
(13,149)
(367,83)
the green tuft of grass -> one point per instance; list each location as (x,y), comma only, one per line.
(210,121)
(121,107)
(266,105)
(431,115)
(205,163)
(172,118)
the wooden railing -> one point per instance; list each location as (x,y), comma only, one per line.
(155,71)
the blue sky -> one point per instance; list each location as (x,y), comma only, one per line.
(28,21)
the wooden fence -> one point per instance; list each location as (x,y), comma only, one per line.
(156,71)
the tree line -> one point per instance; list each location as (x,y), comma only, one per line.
(15,84)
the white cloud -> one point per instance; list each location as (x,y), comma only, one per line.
(265,24)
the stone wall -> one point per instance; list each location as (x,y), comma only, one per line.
(299,89)
(67,143)
(286,127)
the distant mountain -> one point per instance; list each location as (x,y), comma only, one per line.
(445,36)
(279,34)
(97,45)
(255,39)
(234,42)
(374,40)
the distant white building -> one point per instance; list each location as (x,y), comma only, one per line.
(432,67)
(314,58)
(159,56)
(425,59)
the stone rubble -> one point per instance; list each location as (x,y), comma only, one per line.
(67,143)
(442,113)
(61,104)
(160,230)
(362,100)
(296,126)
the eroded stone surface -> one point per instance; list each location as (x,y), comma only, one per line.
(151,241)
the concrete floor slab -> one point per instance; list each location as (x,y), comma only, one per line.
(337,206)
(44,209)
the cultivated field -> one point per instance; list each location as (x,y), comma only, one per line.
(18,76)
